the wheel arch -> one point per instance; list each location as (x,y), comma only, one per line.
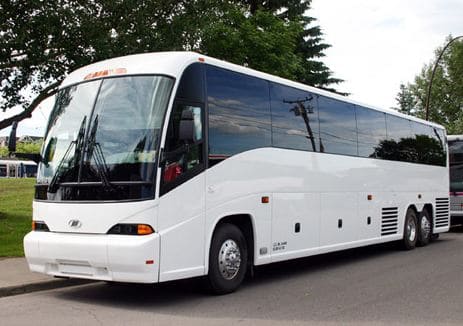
(245,222)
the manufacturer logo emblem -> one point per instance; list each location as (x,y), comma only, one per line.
(75,224)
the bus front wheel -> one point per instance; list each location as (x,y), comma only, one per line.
(228,258)
(410,230)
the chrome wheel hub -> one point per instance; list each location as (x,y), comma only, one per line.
(411,230)
(229,259)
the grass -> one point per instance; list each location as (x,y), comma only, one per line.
(15,214)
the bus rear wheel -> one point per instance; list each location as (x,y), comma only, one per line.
(425,228)
(228,259)
(410,230)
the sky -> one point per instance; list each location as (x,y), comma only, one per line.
(375,46)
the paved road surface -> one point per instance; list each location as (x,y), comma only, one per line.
(373,285)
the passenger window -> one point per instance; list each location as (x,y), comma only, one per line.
(239,113)
(294,118)
(183,151)
(338,129)
(400,144)
(371,128)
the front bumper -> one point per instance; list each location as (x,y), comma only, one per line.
(120,258)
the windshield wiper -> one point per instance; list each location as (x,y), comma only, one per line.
(94,151)
(52,187)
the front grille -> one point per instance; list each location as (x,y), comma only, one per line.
(442,212)
(389,220)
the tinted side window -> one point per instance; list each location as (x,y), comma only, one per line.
(294,118)
(439,136)
(183,152)
(239,113)
(338,130)
(428,146)
(191,86)
(371,128)
(399,145)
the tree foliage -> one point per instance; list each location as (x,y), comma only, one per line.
(446,100)
(42,41)
(23,147)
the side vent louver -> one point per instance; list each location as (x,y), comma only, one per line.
(389,220)
(442,212)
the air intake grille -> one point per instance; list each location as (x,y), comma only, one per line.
(389,220)
(442,213)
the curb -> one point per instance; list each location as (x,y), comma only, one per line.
(40,286)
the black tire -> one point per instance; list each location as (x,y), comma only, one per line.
(410,230)
(223,280)
(424,228)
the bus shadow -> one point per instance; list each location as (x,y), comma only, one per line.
(456,229)
(186,295)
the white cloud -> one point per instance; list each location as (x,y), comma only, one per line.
(376,45)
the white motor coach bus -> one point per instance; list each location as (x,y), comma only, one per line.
(164,166)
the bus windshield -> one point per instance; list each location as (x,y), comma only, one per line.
(456,165)
(102,140)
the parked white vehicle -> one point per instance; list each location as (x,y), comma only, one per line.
(164,166)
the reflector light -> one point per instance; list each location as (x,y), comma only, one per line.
(265,199)
(106,72)
(149,262)
(370,197)
(144,229)
(201,59)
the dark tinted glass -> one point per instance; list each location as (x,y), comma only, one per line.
(439,136)
(294,118)
(456,165)
(427,146)
(338,131)
(239,113)
(371,128)
(398,128)
(398,145)
(191,85)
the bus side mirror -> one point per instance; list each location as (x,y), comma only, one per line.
(187,127)
(12,139)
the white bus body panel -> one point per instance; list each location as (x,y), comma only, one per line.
(88,252)
(182,230)
(317,190)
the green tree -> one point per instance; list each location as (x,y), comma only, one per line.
(446,100)
(44,40)
(23,147)
(406,100)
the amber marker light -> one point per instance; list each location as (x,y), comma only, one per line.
(265,199)
(143,229)
(200,59)
(370,197)
(106,72)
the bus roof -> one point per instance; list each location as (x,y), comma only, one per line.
(173,63)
